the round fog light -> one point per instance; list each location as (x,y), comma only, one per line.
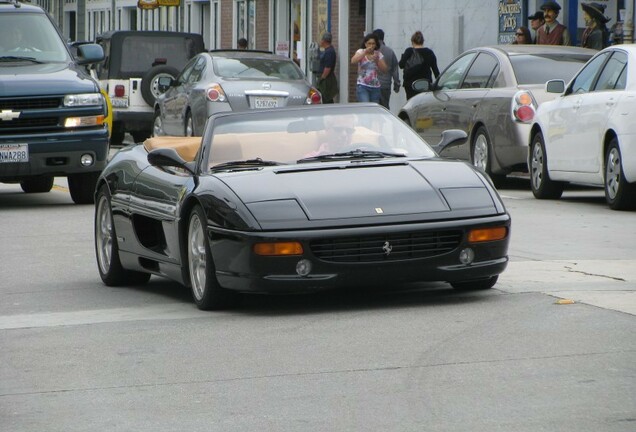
(86,160)
(303,268)
(466,256)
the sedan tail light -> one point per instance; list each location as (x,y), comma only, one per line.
(524,107)
(313,97)
(215,93)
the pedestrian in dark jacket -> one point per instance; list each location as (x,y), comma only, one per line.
(418,62)
(595,35)
(327,82)
(391,75)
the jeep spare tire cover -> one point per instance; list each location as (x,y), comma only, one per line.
(149,82)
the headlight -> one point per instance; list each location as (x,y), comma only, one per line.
(86,99)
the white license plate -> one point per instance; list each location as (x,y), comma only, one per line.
(11,153)
(265,102)
(119,102)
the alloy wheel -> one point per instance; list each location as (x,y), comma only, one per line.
(197,257)
(480,152)
(536,166)
(104,235)
(613,173)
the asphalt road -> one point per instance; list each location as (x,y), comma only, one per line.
(76,355)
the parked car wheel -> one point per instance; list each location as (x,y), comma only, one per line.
(479,284)
(118,134)
(37,184)
(620,194)
(82,187)
(481,155)
(157,125)
(140,136)
(542,186)
(106,248)
(189,125)
(150,82)
(206,291)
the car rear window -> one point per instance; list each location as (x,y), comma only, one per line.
(140,52)
(539,68)
(254,68)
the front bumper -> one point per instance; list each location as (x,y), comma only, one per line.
(238,268)
(57,154)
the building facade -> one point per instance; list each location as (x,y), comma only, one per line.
(293,27)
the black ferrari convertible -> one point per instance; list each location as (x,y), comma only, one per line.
(297,200)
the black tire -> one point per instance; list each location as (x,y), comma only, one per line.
(479,284)
(542,186)
(481,154)
(206,290)
(149,84)
(619,194)
(82,187)
(140,136)
(37,184)
(106,248)
(188,127)
(118,134)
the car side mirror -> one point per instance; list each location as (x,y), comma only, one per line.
(555,86)
(164,83)
(451,138)
(168,157)
(89,53)
(421,85)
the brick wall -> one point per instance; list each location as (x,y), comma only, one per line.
(262,25)
(226,24)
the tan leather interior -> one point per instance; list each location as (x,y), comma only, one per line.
(187,147)
(280,146)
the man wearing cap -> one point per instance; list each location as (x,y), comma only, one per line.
(552,32)
(536,21)
(392,72)
(595,35)
(327,82)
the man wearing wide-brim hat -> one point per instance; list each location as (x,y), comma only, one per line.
(552,32)
(595,35)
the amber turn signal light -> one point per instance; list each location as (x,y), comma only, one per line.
(487,234)
(278,248)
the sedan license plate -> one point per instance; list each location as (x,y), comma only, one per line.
(265,102)
(12,153)
(117,102)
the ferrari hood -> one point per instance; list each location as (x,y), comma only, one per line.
(421,189)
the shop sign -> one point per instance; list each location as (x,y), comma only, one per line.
(509,19)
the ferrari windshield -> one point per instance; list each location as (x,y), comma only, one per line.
(313,134)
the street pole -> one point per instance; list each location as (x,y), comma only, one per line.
(628,27)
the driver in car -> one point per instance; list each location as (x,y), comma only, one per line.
(336,136)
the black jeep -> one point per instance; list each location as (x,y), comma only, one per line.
(135,60)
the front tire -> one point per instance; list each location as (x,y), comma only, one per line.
(619,194)
(189,125)
(157,125)
(106,248)
(37,184)
(542,186)
(206,291)
(82,187)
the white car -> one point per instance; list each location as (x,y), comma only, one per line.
(587,135)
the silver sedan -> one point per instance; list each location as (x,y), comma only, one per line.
(492,93)
(230,80)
